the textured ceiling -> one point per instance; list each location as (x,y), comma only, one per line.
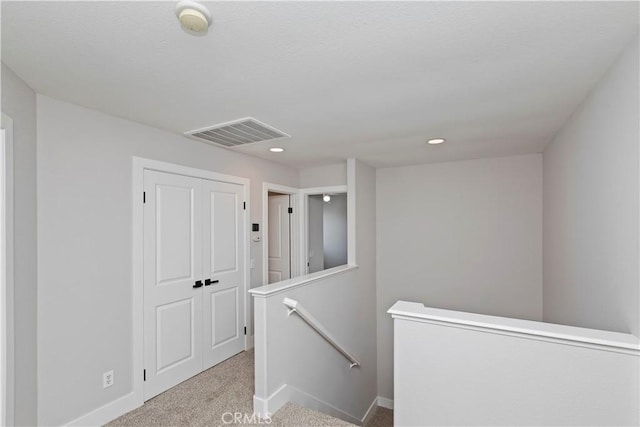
(371,80)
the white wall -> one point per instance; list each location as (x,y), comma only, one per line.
(335,231)
(459,375)
(288,352)
(315,212)
(19,103)
(591,208)
(84,247)
(324,176)
(463,236)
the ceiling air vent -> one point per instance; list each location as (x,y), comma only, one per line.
(238,132)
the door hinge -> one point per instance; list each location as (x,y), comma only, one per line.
(290,210)
(144,375)
(244,205)
(245,330)
(144,197)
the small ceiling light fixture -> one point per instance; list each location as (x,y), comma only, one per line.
(326,198)
(436,141)
(194,17)
(276,149)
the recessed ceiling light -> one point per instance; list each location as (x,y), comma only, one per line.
(436,141)
(276,149)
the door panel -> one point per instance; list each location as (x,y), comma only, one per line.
(172,263)
(279,238)
(223,255)
(172,344)
(275,229)
(224,232)
(225,319)
(174,234)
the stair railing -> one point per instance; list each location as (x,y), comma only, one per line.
(295,307)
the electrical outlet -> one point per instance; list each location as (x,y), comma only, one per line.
(107,379)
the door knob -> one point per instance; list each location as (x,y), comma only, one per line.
(198,284)
(208,282)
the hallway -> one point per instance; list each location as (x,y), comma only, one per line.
(214,396)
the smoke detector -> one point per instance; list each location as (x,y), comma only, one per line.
(194,18)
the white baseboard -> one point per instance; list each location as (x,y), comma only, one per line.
(385,403)
(266,407)
(287,393)
(308,401)
(369,412)
(108,412)
(250,342)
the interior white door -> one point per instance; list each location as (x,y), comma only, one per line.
(172,268)
(279,238)
(224,270)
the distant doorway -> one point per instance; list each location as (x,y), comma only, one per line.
(279,235)
(326,231)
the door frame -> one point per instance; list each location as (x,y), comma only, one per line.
(7,350)
(294,249)
(304,222)
(141,164)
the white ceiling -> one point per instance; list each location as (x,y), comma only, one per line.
(371,80)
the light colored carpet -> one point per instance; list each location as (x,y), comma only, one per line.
(212,397)
(381,417)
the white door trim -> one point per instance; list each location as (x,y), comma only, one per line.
(304,221)
(7,288)
(293,192)
(139,166)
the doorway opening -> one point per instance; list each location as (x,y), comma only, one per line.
(325,228)
(326,231)
(280,233)
(304,230)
